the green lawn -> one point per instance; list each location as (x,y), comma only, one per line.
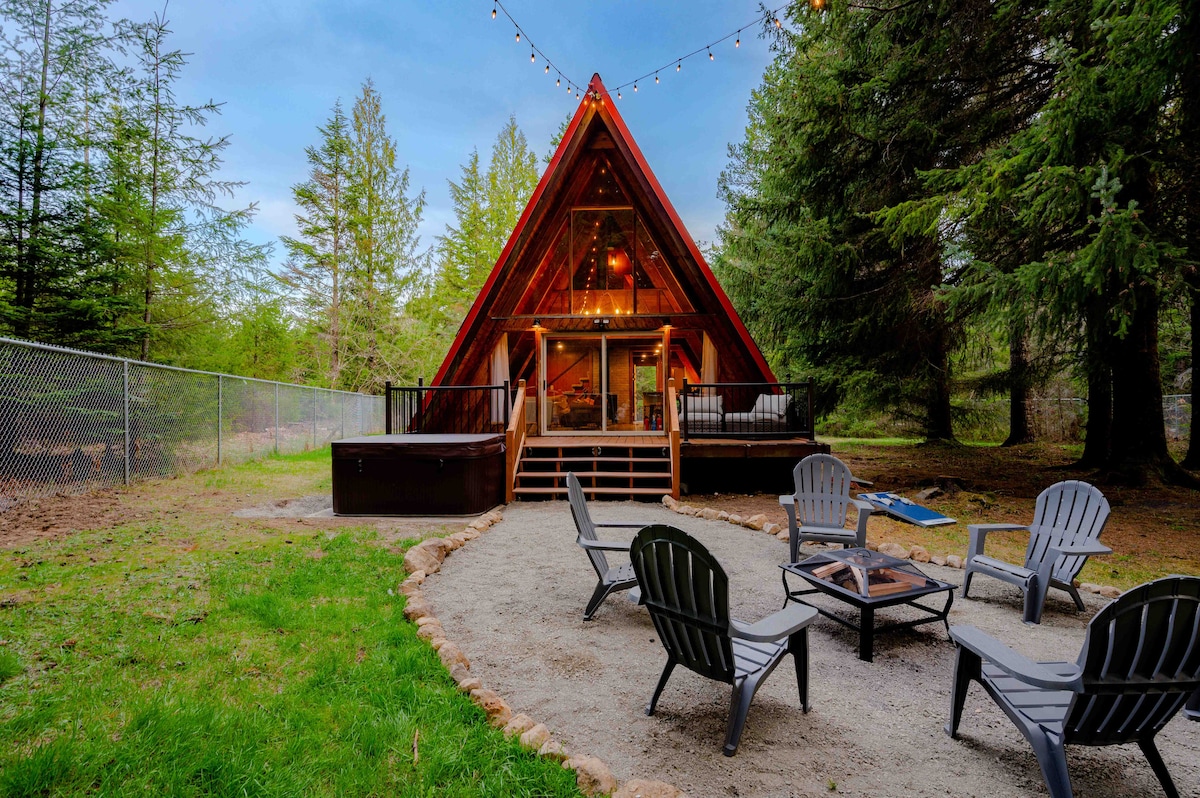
(201,655)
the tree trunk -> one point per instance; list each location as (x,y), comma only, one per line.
(1018,386)
(1139,440)
(939,425)
(1098,437)
(1189,100)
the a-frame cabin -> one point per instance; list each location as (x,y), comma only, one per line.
(601,303)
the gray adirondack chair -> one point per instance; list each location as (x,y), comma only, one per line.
(687,593)
(1140,662)
(817,510)
(1067,522)
(612,578)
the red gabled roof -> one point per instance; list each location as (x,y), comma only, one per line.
(597,97)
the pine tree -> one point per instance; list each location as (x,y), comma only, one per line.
(318,256)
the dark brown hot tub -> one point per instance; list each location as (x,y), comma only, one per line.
(418,474)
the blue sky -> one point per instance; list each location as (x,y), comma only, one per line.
(450,76)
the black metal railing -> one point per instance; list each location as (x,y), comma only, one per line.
(753,410)
(447,409)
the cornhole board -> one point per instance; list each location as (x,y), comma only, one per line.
(905,509)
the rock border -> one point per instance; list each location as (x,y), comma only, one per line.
(915,553)
(592,776)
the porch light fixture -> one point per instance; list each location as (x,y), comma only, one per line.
(599,322)
(537,324)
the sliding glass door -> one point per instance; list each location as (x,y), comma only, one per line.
(602,383)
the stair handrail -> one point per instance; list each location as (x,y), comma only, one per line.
(672,414)
(514,440)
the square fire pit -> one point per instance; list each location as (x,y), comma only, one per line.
(868,580)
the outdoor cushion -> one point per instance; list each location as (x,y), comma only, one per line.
(771,403)
(705,404)
(704,422)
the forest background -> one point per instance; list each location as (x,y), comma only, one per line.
(933,202)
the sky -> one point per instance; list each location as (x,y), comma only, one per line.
(450,76)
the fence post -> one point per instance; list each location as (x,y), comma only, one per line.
(220,415)
(125,391)
(685,408)
(508,403)
(276,418)
(316,399)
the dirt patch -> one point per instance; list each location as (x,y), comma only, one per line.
(53,517)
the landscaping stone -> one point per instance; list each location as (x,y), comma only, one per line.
(420,559)
(438,547)
(783,535)
(929,493)
(894,550)
(430,631)
(460,673)
(518,724)
(771,528)
(938,559)
(919,554)
(536,737)
(708,514)
(669,502)
(470,534)
(954,561)
(479,524)
(641,788)
(416,608)
(1089,587)
(756,521)
(469,683)
(553,749)
(495,707)
(592,776)
(722,515)
(736,519)
(1108,591)
(452,655)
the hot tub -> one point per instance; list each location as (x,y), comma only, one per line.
(418,474)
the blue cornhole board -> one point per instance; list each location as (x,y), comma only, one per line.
(905,510)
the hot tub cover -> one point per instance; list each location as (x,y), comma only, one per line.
(451,447)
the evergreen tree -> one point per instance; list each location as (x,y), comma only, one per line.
(385,268)
(318,257)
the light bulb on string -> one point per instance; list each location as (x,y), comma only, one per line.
(547,68)
(493,12)
(778,24)
(678,65)
(710,57)
(738,42)
(656,77)
(618,95)
(518,36)
(635,87)
(558,81)
(532,57)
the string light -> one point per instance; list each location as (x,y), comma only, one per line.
(765,18)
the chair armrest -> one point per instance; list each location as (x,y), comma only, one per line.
(787,621)
(978,532)
(788,503)
(620,526)
(862,506)
(1011,662)
(866,483)
(1085,549)
(602,545)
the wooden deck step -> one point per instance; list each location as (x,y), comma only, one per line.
(602,474)
(606,491)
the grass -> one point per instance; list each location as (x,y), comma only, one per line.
(207,656)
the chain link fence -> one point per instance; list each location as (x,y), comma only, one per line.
(72,421)
(1063,419)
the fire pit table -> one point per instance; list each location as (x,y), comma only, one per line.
(868,580)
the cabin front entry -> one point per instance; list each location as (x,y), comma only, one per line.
(602,383)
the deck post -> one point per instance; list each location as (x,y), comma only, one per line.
(514,440)
(673,427)
(387,408)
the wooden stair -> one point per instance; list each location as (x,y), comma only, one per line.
(629,468)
